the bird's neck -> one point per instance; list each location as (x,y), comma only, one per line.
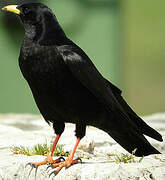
(45,33)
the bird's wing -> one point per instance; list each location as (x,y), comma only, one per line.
(84,70)
(115,90)
(145,129)
(126,131)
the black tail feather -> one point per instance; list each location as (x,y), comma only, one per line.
(131,141)
(145,129)
(133,138)
(142,126)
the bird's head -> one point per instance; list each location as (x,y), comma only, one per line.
(31,13)
(39,21)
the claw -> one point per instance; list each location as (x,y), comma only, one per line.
(30,171)
(61,159)
(48,170)
(53,172)
(29,164)
(47,163)
(79,160)
(76,161)
(32,167)
(36,172)
(48,167)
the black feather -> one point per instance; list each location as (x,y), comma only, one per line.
(144,128)
(67,87)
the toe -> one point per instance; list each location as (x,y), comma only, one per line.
(30,164)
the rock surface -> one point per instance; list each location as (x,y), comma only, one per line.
(97,148)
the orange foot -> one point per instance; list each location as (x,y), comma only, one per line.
(67,163)
(48,160)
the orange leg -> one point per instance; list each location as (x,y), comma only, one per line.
(68,162)
(49,159)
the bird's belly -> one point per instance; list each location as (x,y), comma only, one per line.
(58,93)
(67,98)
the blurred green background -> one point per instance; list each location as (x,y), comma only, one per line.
(125,40)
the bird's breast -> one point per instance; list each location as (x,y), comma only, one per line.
(38,65)
(55,89)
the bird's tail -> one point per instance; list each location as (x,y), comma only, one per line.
(141,125)
(133,137)
(131,141)
(144,128)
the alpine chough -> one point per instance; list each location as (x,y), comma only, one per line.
(67,87)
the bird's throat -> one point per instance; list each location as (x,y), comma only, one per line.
(47,33)
(30,31)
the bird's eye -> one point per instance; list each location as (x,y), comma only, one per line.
(26,10)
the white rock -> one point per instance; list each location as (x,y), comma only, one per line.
(28,130)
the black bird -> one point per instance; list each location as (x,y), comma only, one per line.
(67,87)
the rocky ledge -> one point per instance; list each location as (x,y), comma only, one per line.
(99,152)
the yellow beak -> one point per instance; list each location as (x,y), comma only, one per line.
(11,8)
